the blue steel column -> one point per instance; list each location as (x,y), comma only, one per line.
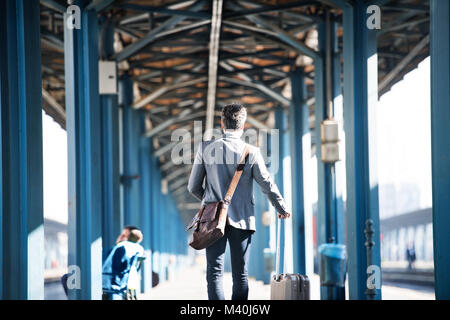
(262,234)
(158,207)
(21,215)
(329,207)
(154,228)
(112,220)
(155,218)
(283,147)
(300,145)
(3,101)
(339,167)
(163,237)
(324,203)
(360,98)
(261,206)
(145,150)
(162,205)
(84,158)
(171,231)
(169,235)
(256,266)
(440,143)
(330,218)
(131,138)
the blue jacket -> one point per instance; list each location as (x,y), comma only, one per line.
(117,265)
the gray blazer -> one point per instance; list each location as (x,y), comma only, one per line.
(217,161)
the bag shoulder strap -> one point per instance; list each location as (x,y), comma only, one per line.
(237,175)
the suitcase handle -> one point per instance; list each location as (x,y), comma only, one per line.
(277,262)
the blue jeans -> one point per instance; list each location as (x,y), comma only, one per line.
(240,241)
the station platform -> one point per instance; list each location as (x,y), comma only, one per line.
(422,272)
(190,284)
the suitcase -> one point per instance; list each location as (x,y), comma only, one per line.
(287,286)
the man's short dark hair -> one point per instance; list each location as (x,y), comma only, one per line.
(234,116)
(135,234)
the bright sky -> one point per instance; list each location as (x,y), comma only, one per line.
(404,154)
(404,144)
(55,170)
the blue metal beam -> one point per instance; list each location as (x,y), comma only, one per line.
(164,10)
(148,38)
(154,227)
(99,5)
(378,2)
(336,3)
(263,237)
(254,252)
(360,99)
(112,219)
(300,145)
(330,210)
(84,159)
(260,240)
(326,184)
(52,4)
(262,204)
(334,217)
(131,138)
(283,148)
(22,221)
(319,109)
(158,232)
(151,35)
(163,236)
(3,101)
(286,37)
(146,212)
(339,167)
(440,143)
(269,8)
(261,251)
(172,229)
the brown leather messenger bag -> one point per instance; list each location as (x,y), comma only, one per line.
(209,223)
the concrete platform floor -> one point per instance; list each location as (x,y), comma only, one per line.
(190,284)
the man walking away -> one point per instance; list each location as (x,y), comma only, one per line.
(216,161)
(120,261)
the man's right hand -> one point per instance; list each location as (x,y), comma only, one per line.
(284,216)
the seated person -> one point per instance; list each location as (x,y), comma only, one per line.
(120,261)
